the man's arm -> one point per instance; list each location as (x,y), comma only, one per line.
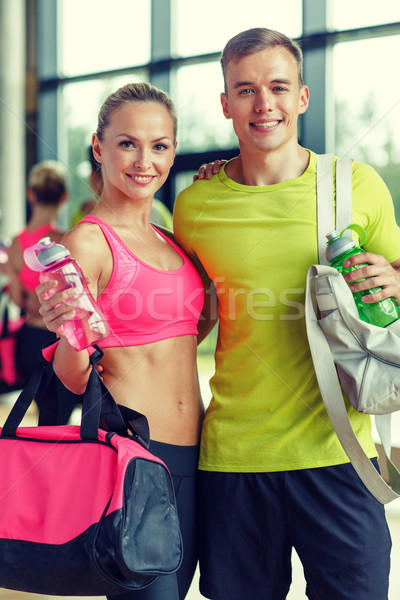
(209,314)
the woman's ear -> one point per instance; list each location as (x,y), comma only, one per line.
(30,195)
(175,147)
(96,147)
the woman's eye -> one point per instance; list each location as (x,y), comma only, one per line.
(126,144)
(160,147)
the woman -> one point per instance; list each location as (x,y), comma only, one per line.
(151,294)
(46,193)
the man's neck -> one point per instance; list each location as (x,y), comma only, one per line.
(268,168)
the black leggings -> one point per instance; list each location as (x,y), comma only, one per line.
(30,342)
(182,463)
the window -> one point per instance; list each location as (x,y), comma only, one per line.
(96,35)
(367,99)
(205,27)
(101,46)
(81,103)
(196,92)
(362,13)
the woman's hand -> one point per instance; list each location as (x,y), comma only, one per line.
(206,171)
(378,273)
(56,307)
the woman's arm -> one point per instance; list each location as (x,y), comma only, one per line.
(12,268)
(57,307)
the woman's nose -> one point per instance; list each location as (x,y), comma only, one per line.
(142,160)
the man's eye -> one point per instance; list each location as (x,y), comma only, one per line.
(245,91)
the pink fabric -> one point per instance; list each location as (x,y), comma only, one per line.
(48,351)
(28,278)
(33,509)
(144,304)
(8,367)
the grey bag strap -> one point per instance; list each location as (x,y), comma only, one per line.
(325,213)
(323,362)
(326,221)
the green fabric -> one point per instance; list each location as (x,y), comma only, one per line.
(257,243)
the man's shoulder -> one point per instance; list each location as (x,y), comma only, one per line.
(198,191)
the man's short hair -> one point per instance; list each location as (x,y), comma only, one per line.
(255,40)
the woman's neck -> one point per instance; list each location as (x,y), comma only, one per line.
(42,215)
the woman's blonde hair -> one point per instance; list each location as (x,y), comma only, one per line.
(134,92)
(48,181)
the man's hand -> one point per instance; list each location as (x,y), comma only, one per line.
(206,171)
(378,273)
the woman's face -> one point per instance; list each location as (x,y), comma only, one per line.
(137,151)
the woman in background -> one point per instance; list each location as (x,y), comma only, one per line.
(46,193)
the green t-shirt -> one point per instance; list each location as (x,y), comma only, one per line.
(256,244)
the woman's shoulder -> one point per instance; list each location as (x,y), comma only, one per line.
(85,238)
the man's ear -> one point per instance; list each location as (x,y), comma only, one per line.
(225,106)
(304,99)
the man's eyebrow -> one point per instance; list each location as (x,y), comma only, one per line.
(242,83)
(239,84)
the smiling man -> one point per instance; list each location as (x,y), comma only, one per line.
(273,475)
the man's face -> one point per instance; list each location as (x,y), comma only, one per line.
(263,98)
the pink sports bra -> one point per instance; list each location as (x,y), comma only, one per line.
(144,304)
(28,278)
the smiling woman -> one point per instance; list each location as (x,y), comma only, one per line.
(139,145)
(151,294)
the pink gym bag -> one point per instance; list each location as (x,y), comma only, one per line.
(84,510)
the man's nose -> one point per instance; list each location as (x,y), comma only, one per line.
(263,102)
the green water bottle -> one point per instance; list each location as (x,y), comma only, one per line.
(340,248)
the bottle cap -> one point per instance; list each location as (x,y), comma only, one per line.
(51,252)
(338,244)
(44,253)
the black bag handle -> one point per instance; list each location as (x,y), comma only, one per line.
(4,329)
(98,405)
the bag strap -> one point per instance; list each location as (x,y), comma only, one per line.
(97,403)
(334,402)
(324,365)
(328,218)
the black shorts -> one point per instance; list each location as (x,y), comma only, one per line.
(249,523)
(182,463)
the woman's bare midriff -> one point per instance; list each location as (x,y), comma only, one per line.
(159,380)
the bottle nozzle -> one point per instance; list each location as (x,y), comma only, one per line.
(46,241)
(332,235)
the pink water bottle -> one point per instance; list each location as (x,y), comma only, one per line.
(55,264)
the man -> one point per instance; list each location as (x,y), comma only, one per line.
(272,472)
